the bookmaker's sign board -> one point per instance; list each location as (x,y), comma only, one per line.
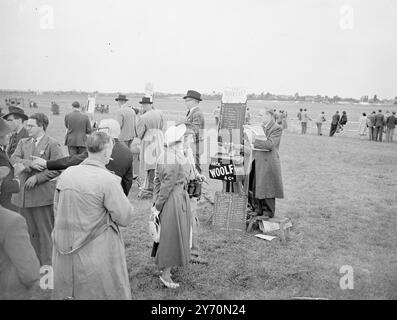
(230,211)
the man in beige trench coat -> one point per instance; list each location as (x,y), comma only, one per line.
(149,129)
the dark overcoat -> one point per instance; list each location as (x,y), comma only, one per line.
(268,179)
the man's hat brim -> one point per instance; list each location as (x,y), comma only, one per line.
(198,99)
(121,99)
(22,115)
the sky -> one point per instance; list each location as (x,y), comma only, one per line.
(328,47)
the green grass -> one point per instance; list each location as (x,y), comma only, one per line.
(340,194)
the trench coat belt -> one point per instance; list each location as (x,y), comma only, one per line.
(100,228)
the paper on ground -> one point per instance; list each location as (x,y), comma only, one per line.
(265,237)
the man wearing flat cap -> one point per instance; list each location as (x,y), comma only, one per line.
(78,125)
(127,120)
(15,120)
(195,121)
(265,177)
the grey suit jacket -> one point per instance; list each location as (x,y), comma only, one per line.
(42,194)
(195,121)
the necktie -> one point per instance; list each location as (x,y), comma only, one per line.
(34,146)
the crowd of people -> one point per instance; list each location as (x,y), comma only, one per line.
(65,212)
(71,219)
(376,123)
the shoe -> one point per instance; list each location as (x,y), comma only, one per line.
(198,260)
(171,285)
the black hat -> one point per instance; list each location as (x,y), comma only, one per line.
(121,97)
(193,94)
(146,100)
(76,104)
(16,110)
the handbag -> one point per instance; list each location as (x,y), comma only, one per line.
(155,228)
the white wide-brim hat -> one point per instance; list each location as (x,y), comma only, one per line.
(174,134)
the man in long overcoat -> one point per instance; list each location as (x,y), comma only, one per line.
(149,129)
(265,178)
(90,206)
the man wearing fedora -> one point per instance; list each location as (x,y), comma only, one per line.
(16,118)
(149,129)
(78,125)
(127,120)
(195,121)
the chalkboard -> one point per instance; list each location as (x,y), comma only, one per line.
(230,211)
(232,118)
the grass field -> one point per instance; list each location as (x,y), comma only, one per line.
(341,195)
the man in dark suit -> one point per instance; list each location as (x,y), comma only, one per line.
(78,125)
(195,121)
(379,124)
(9,185)
(16,118)
(121,163)
(334,123)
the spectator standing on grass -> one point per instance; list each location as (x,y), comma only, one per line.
(284,120)
(379,125)
(299,116)
(391,123)
(90,206)
(36,195)
(305,119)
(265,177)
(194,182)
(127,120)
(149,129)
(371,126)
(319,122)
(78,125)
(195,121)
(15,119)
(334,123)
(19,266)
(342,121)
(172,206)
(362,124)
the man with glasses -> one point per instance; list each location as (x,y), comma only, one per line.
(35,199)
(16,118)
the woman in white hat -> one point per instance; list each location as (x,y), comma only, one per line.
(171,202)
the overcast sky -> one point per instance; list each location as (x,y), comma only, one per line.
(280,46)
